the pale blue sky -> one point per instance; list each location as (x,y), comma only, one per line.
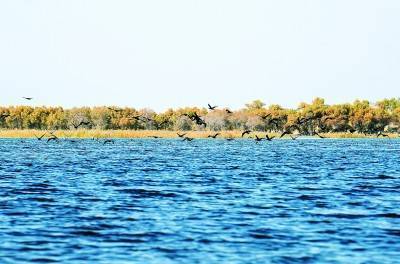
(157,53)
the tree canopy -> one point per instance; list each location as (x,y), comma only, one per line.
(361,116)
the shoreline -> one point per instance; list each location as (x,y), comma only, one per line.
(85,133)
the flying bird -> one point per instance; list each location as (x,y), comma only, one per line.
(269,138)
(380,134)
(195,117)
(115,110)
(320,136)
(41,137)
(108,141)
(187,139)
(326,118)
(52,138)
(27,98)
(160,125)
(284,133)
(135,117)
(228,111)
(212,107)
(246,132)
(181,135)
(76,126)
(265,116)
(213,136)
(257,139)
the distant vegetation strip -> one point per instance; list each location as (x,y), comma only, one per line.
(104,134)
(360,118)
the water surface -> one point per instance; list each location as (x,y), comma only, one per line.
(206,201)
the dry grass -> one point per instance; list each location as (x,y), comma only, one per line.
(82,133)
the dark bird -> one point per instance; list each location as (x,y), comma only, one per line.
(246,132)
(146,119)
(212,107)
(108,141)
(230,139)
(187,139)
(265,117)
(269,138)
(294,137)
(181,135)
(284,133)
(315,133)
(380,134)
(27,98)
(257,139)
(52,138)
(300,121)
(228,111)
(135,117)
(273,121)
(41,137)
(326,118)
(114,109)
(154,137)
(196,118)
(82,123)
(213,136)
(160,125)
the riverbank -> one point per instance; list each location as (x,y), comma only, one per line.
(84,133)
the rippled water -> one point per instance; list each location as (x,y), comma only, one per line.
(206,201)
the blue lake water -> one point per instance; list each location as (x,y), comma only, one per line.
(206,201)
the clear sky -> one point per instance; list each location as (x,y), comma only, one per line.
(160,54)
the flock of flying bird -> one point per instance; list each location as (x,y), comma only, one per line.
(200,121)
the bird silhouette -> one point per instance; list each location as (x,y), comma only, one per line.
(269,138)
(380,134)
(228,111)
(211,107)
(294,137)
(265,117)
(154,137)
(246,132)
(286,132)
(160,125)
(27,98)
(110,141)
(326,118)
(115,109)
(213,136)
(188,139)
(320,136)
(181,135)
(135,117)
(76,126)
(352,130)
(52,138)
(41,137)
(196,118)
(257,139)
(274,121)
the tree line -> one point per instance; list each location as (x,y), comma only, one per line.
(361,116)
